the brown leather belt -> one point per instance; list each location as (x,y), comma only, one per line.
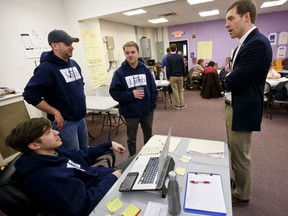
(228,102)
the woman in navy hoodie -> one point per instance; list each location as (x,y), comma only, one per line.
(61,178)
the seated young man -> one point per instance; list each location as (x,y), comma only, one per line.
(61,178)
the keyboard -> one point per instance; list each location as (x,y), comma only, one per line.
(150,171)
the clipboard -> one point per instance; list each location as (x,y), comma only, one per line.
(204,194)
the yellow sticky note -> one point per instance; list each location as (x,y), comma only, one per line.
(131,210)
(180,171)
(114,205)
(185,159)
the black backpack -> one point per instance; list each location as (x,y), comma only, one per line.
(281,91)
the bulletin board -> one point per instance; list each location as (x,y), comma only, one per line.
(279,39)
(204,49)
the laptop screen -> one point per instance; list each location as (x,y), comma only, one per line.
(163,155)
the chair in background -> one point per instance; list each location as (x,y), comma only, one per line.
(15,200)
(164,93)
(196,83)
(276,103)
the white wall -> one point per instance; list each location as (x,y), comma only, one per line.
(70,15)
(15,69)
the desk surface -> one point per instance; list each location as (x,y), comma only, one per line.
(199,163)
(100,103)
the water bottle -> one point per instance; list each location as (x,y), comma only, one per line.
(173,194)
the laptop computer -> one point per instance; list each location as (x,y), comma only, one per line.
(151,170)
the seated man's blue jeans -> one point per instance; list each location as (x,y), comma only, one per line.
(74,134)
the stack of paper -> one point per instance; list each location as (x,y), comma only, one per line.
(206,147)
(156,209)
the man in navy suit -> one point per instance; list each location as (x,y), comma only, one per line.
(244,98)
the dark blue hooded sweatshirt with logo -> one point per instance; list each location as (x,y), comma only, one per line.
(60,84)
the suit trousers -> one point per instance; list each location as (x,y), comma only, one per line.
(239,146)
(177,90)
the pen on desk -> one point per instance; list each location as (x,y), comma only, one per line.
(200,182)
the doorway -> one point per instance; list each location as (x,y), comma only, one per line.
(183,47)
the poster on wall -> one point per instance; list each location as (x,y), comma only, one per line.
(34,41)
(205,49)
(283,38)
(92,44)
(281,51)
(273,38)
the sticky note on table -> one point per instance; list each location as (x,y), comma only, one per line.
(131,210)
(185,159)
(114,205)
(180,171)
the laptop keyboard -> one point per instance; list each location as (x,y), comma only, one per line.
(150,171)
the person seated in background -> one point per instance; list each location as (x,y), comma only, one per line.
(159,72)
(227,69)
(196,73)
(273,74)
(210,69)
(58,177)
(228,66)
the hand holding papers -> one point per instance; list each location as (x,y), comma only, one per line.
(204,194)
(206,147)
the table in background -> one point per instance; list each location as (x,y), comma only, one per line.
(274,82)
(102,104)
(284,73)
(163,86)
(199,163)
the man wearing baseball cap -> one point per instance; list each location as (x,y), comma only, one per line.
(57,88)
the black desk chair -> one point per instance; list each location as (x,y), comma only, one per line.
(15,200)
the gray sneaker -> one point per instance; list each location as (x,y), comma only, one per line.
(176,107)
(184,106)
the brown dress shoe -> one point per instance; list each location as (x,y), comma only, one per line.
(236,201)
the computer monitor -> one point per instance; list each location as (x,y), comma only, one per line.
(151,62)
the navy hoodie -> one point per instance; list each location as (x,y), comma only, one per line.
(124,81)
(60,84)
(67,183)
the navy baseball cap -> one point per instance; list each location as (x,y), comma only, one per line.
(61,36)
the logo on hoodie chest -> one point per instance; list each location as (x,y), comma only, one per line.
(136,80)
(72,164)
(70,74)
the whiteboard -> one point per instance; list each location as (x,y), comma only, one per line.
(34,41)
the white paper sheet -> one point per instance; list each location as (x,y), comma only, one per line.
(203,197)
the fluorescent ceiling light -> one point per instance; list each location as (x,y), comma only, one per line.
(159,20)
(272,3)
(209,13)
(134,12)
(193,2)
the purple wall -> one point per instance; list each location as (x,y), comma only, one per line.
(222,43)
